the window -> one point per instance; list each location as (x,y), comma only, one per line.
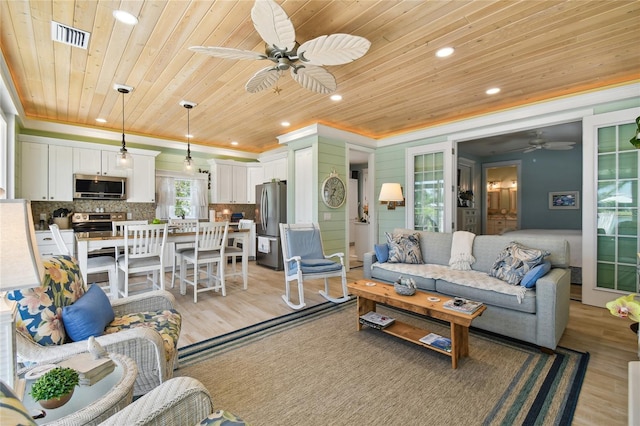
(179,196)
(182,206)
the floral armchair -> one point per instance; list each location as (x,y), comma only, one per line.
(145,328)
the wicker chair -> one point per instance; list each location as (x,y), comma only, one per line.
(155,357)
(179,401)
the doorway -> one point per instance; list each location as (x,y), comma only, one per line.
(359,199)
(500,182)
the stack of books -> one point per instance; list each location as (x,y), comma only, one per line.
(376,320)
(437,341)
(468,307)
(90,371)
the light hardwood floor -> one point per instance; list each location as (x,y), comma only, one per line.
(609,341)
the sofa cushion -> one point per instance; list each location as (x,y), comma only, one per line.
(40,308)
(382,252)
(305,243)
(489,297)
(167,323)
(404,248)
(515,261)
(536,272)
(435,246)
(88,316)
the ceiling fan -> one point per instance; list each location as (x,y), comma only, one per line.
(538,142)
(304,61)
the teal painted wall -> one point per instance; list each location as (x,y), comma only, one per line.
(332,156)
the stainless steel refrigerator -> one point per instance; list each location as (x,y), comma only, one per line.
(271,210)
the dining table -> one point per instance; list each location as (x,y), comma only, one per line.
(91,241)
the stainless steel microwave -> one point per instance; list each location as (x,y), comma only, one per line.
(93,187)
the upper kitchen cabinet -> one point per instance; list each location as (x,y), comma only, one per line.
(254,178)
(275,169)
(46,172)
(229,182)
(90,161)
(142,179)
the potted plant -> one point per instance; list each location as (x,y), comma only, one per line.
(55,387)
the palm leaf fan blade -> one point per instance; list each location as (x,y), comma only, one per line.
(334,49)
(227,53)
(273,24)
(262,80)
(315,79)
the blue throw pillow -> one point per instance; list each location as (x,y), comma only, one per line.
(88,316)
(532,276)
(382,252)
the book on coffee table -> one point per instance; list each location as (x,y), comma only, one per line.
(437,341)
(376,320)
(90,370)
(468,307)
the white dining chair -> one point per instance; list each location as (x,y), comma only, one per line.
(95,265)
(117,228)
(209,249)
(143,252)
(235,250)
(181,225)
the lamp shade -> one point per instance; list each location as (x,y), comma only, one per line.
(391,192)
(20,264)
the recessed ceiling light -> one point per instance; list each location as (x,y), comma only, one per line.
(336,98)
(493,91)
(125,17)
(234,143)
(101,120)
(285,124)
(444,52)
(189,136)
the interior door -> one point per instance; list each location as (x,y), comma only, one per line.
(611,195)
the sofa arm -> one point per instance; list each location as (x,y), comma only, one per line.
(144,302)
(369,259)
(179,401)
(552,306)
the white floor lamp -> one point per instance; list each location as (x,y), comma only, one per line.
(20,267)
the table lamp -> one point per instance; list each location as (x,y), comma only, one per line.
(20,267)
(391,193)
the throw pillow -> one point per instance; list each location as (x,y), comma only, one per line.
(12,410)
(404,248)
(532,276)
(515,261)
(89,316)
(382,252)
(40,308)
(222,418)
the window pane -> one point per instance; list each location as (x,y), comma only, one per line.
(607,139)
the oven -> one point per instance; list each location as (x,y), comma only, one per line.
(96,222)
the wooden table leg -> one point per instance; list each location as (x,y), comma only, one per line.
(364,306)
(459,343)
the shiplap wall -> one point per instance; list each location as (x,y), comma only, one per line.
(332,156)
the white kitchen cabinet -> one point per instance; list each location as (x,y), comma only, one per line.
(47,245)
(96,162)
(254,178)
(46,172)
(230,182)
(275,169)
(141,181)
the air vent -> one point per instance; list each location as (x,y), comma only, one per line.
(70,36)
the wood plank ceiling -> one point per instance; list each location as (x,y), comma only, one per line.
(532,50)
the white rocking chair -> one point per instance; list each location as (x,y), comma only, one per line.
(304,258)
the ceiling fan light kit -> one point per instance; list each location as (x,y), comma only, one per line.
(304,61)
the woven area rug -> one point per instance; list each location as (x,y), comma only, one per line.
(312,367)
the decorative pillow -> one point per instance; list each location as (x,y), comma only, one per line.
(222,418)
(515,261)
(89,316)
(532,276)
(382,252)
(40,308)
(12,411)
(404,248)
(167,323)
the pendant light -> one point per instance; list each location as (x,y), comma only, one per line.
(123,158)
(188,166)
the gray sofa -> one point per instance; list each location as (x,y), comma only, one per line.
(539,318)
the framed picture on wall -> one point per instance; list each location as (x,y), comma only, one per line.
(564,200)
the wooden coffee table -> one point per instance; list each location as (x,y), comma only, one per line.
(369,295)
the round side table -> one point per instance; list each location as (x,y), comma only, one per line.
(91,404)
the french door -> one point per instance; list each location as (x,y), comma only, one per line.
(611,236)
(430,171)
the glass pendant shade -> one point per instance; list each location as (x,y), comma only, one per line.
(188,166)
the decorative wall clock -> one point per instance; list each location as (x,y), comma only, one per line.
(334,192)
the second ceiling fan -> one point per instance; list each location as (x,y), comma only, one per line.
(538,142)
(304,61)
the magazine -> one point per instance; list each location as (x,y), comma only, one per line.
(376,320)
(437,341)
(468,307)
